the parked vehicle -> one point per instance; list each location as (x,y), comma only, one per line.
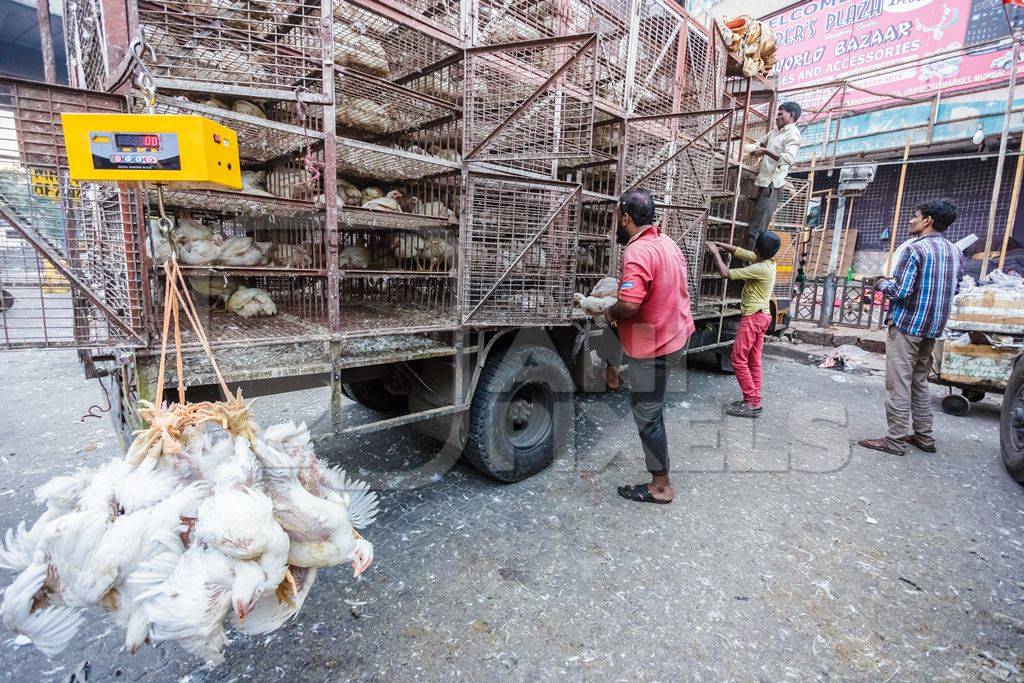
(471,178)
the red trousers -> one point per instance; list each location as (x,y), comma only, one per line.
(746,355)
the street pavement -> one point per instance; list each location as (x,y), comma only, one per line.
(790,553)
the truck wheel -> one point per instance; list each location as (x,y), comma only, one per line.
(974,395)
(955,405)
(1011,425)
(521,413)
(373,394)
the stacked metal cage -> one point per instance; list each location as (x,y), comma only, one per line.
(409,167)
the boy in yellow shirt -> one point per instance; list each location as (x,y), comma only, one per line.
(755,311)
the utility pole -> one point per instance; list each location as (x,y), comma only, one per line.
(828,291)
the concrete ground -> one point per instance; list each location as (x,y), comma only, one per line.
(790,554)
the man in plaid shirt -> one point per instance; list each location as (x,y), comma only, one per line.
(921,291)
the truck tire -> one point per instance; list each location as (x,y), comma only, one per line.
(1011,424)
(375,395)
(521,413)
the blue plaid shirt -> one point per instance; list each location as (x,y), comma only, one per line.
(922,288)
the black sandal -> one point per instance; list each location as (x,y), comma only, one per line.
(640,493)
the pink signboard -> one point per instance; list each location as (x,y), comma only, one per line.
(830,40)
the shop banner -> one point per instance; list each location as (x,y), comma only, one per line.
(829,40)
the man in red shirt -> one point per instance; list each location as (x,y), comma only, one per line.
(654,323)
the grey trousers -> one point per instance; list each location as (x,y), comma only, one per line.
(648,380)
(764,210)
(907,402)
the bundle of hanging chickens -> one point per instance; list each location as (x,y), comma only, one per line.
(206,520)
(753,42)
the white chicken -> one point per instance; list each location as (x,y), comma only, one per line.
(363,114)
(445,153)
(190,606)
(188,229)
(388,202)
(370,192)
(437,254)
(602,297)
(354,256)
(243,251)
(247,302)
(255,182)
(407,246)
(274,609)
(198,252)
(436,210)
(215,102)
(356,50)
(215,288)
(172,543)
(290,256)
(348,194)
(586,258)
(49,627)
(239,522)
(319,529)
(248,109)
(294,441)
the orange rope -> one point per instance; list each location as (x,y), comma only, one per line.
(176,292)
(193,317)
(163,341)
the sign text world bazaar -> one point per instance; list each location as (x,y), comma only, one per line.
(830,40)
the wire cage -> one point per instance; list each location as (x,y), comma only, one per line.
(654,88)
(262,48)
(688,227)
(84,43)
(791,213)
(681,158)
(700,87)
(372,304)
(611,21)
(531,100)
(384,46)
(368,108)
(595,252)
(416,253)
(208,242)
(84,234)
(442,14)
(501,21)
(519,247)
(236,310)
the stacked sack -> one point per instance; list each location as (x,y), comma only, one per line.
(753,42)
(204,518)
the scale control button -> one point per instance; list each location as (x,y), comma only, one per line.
(150,160)
(116,158)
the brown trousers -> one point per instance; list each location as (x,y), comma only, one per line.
(907,401)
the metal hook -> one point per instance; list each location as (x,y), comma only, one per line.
(144,77)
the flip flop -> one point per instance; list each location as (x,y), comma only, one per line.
(640,493)
(879,445)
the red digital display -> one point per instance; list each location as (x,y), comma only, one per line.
(150,140)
